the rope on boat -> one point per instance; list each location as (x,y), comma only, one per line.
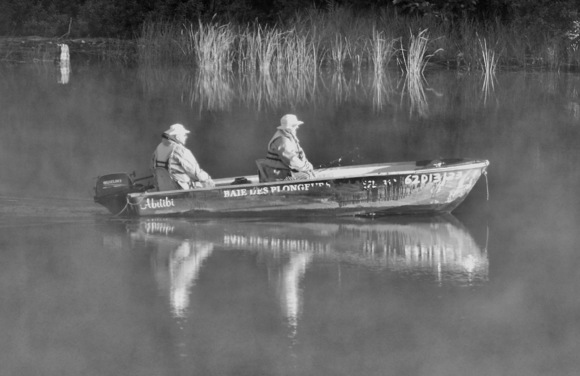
(486,184)
(127,204)
(124,208)
(486,237)
(135,204)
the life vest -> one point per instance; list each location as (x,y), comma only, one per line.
(163,160)
(163,178)
(162,164)
(279,133)
(273,168)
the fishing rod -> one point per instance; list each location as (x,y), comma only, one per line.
(143,178)
(352,156)
(135,178)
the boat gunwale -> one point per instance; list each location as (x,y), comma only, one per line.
(466,165)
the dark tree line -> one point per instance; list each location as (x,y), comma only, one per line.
(123,18)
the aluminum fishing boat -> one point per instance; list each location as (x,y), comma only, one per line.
(435,186)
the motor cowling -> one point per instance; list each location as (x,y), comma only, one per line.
(111,190)
(113,184)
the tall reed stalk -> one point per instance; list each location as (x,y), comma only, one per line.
(247,57)
(416,58)
(381,51)
(213,46)
(488,65)
(267,42)
(488,60)
(415,61)
(339,52)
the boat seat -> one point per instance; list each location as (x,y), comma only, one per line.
(268,173)
(163,180)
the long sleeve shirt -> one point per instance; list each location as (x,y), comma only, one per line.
(180,162)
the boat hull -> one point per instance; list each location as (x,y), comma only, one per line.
(379,189)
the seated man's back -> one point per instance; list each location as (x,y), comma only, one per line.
(285,157)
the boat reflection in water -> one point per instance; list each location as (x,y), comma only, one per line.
(434,249)
(177,270)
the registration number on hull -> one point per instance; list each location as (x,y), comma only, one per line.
(432,178)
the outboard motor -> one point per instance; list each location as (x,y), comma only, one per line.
(111,190)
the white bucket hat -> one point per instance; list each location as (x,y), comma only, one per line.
(289,121)
(176,129)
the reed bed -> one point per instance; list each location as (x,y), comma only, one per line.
(310,43)
(415,59)
(297,56)
(319,41)
(213,46)
(282,63)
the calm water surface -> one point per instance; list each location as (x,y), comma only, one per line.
(492,290)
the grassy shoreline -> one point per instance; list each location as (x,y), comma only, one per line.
(36,49)
(314,41)
(342,40)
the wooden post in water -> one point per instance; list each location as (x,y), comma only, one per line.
(64,64)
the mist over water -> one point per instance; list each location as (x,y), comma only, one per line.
(489,291)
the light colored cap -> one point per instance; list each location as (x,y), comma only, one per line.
(289,121)
(176,129)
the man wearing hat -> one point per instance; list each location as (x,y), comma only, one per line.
(174,165)
(285,159)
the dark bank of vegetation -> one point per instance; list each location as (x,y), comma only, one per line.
(308,34)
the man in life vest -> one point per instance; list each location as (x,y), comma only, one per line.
(285,159)
(174,165)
